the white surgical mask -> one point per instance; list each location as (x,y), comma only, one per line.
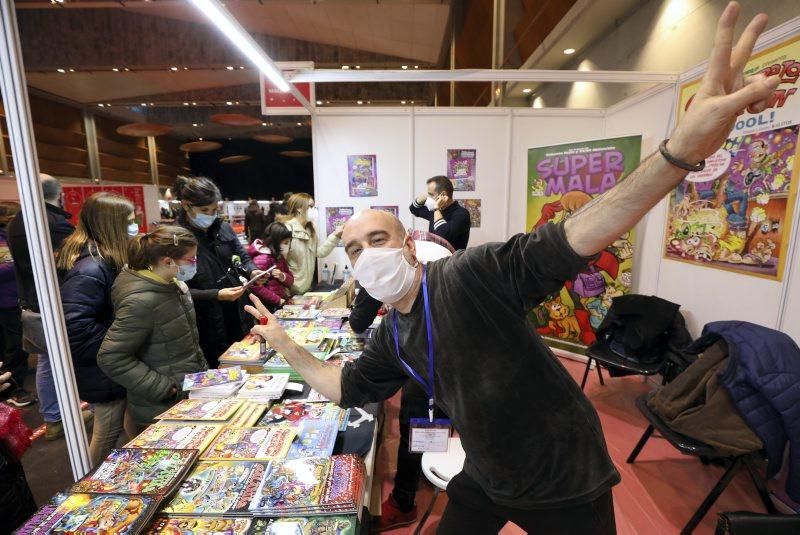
(284,249)
(133,230)
(186,273)
(203,220)
(430,204)
(384,273)
(312,214)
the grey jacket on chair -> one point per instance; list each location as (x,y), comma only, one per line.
(152,343)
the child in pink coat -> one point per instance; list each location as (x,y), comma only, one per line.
(271,250)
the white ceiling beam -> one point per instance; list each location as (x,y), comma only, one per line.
(482,75)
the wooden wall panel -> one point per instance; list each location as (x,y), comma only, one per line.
(171,160)
(122,158)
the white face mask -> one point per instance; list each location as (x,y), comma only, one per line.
(312,214)
(133,230)
(430,204)
(284,249)
(384,273)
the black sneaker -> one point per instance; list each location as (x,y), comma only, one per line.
(21,398)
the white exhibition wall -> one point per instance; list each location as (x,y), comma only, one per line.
(411,144)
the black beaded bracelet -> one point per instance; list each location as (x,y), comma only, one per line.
(679,163)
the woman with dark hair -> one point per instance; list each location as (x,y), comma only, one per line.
(220,259)
(153,341)
(269,251)
(91,259)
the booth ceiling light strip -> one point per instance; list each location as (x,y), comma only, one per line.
(228,25)
(482,75)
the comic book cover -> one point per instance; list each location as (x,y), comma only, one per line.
(562,179)
(473,206)
(315,397)
(202,410)
(332,324)
(335,525)
(251,443)
(244,351)
(193,381)
(351,344)
(290,485)
(345,481)
(201,526)
(296,411)
(264,386)
(168,435)
(316,438)
(84,513)
(306,314)
(336,217)
(341,359)
(217,488)
(461,164)
(137,471)
(362,175)
(335,313)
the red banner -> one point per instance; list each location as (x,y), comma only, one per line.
(75,196)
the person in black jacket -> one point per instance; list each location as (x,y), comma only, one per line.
(33,341)
(445,216)
(91,258)
(254,221)
(220,259)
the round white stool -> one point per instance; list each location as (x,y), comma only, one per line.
(440,468)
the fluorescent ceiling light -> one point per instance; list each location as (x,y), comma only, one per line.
(319,103)
(243,41)
(62,71)
(527,90)
(569,51)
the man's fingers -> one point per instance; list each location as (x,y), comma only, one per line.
(252,311)
(754,92)
(259,306)
(719,64)
(744,48)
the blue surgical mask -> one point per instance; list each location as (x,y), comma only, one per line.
(187,272)
(203,220)
(133,230)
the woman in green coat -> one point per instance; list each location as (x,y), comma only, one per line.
(153,341)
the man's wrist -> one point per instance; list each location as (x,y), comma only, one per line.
(679,152)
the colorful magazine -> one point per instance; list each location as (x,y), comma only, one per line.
(137,471)
(332,324)
(170,435)
(216,410)
(207,525)
(249,414)
(104,514)
(296,313)
(193,381)
(217,488)
(315,439)
(298,411)
(335,313)
(264,386)
(334,525)
(251,443)
(246,351)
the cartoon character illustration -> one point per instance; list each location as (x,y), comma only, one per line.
(561,321)
(622,247)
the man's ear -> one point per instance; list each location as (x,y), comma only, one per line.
(410,250)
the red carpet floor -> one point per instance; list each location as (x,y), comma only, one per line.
(658,494)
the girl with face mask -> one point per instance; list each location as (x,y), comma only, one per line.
(90,260)
(268,251)
(153,341)
(305,247)
(216,286)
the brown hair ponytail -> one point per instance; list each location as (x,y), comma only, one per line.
(145,250)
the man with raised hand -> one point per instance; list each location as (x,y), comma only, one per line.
(535,453)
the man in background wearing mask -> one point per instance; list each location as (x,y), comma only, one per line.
(535,453)
(446,218)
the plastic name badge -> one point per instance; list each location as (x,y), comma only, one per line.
(429,436)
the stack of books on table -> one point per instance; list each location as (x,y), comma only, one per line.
(246,354)
(296,312)
(264,387)
(335,525)
(214,384)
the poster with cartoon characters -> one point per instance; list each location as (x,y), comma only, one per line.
(362,175)
(562,179)
(461,164)
(473,206)
(736,214)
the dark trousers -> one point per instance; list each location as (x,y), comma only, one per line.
(413,404)
(469,510)
(13,357)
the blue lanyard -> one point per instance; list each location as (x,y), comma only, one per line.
(429,384)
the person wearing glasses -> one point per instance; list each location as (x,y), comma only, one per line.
(153,341)
(221,258)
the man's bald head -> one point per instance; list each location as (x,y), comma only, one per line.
(372,228)
(51,188)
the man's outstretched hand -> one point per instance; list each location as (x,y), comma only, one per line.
(272,332)
(724,92)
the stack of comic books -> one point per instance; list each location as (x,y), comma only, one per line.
(251,443)
(311,487)
(333,525)
(264,387)
(277,364)
(245,353)
(294,412)
(204,410)
(315,438)
(309,337)
(119,496)
(177,435)
(214,384)
(297,312)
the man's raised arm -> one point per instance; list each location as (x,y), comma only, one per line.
(723,93)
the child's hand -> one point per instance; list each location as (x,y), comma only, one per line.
(278,274)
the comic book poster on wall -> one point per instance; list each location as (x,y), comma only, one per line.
(336,217)
(736,214)
(362,175)
(461,165)
(561,179)
(473,206)
(75,196)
